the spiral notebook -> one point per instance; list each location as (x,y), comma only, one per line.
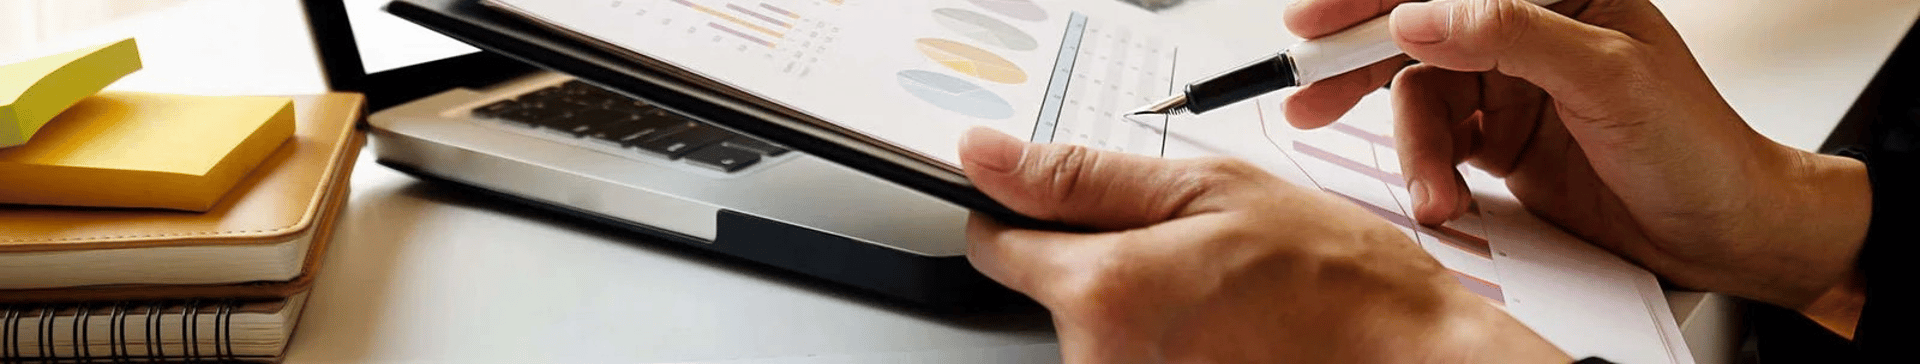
(156,331)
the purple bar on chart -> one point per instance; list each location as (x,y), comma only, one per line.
(1362,134)
(768,19)
(1482,287)
(1343,162)
(777,9)
(1468,242)
(1393,217)
(737,33)
(1452,237)
(729,18)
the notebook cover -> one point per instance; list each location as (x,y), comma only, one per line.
(301,187)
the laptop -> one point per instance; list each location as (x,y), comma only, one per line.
(446,112)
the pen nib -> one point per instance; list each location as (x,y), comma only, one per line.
(1170,105)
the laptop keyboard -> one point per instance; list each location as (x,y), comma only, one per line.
(579,110)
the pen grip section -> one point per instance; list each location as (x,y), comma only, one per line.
(1244,82)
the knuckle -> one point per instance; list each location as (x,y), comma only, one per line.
(1618,49)
(1495,25)
(1105,291)
(1063,169)
(1213,179)
(1212,174)
(1218,171)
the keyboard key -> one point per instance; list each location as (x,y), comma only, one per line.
(535,113)
(755,145)
(649,133)
(581,110)
(549,93)
(520,116)
(612,131)
(494,110)
(723,158)
(577,87)
(583,122)
(678,144)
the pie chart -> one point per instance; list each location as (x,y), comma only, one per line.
(984,29)
(955,94)
(1017,9)
(971,60)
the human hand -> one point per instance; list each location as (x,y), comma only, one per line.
(1601,121)
(1214,260)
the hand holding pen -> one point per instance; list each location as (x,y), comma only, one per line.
(1597,117)
(1328,55)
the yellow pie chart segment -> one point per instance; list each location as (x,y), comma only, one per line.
(971,61)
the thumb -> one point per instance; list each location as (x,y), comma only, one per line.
(1074,184)
(1561,55)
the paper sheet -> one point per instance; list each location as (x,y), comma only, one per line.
(914,73)
(1583,299)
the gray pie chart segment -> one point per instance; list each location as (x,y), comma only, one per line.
(984,29)
(955,94)
(1017,9)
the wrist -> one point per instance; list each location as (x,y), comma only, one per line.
(1478,332)
(1824,211)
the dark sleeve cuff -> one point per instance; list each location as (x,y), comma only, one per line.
(1887,258)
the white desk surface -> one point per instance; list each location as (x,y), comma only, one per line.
(421,273)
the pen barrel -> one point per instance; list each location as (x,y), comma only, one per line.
(1244,82)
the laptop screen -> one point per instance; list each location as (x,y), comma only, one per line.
(387,42)
(365,49)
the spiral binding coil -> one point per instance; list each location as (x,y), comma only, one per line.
(119,348)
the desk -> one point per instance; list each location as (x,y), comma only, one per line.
(420,272)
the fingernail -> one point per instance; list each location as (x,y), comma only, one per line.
(1423,22)
(1420,195)
(991,149)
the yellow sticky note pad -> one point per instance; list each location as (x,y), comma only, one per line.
(32,92)
(132,149)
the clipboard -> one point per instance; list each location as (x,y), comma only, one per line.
(510,35)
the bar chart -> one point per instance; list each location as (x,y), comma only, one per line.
(786,34)
(1356,161)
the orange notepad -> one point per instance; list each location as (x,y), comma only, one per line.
(131,149)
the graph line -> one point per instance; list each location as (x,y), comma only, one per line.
(1262,113)
(1370,137)
(1452,237)
(755,15)
(737,33)
(780,11)
(1356,166)
(729,18)
(1481,287)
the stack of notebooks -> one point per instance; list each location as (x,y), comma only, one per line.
(178,279)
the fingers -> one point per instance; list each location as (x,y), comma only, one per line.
(1021,259)
(1431,107)
(1077,185)
(1511,110)
(1563,56)
(1316,18)
(1320,103)
(1048,266)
